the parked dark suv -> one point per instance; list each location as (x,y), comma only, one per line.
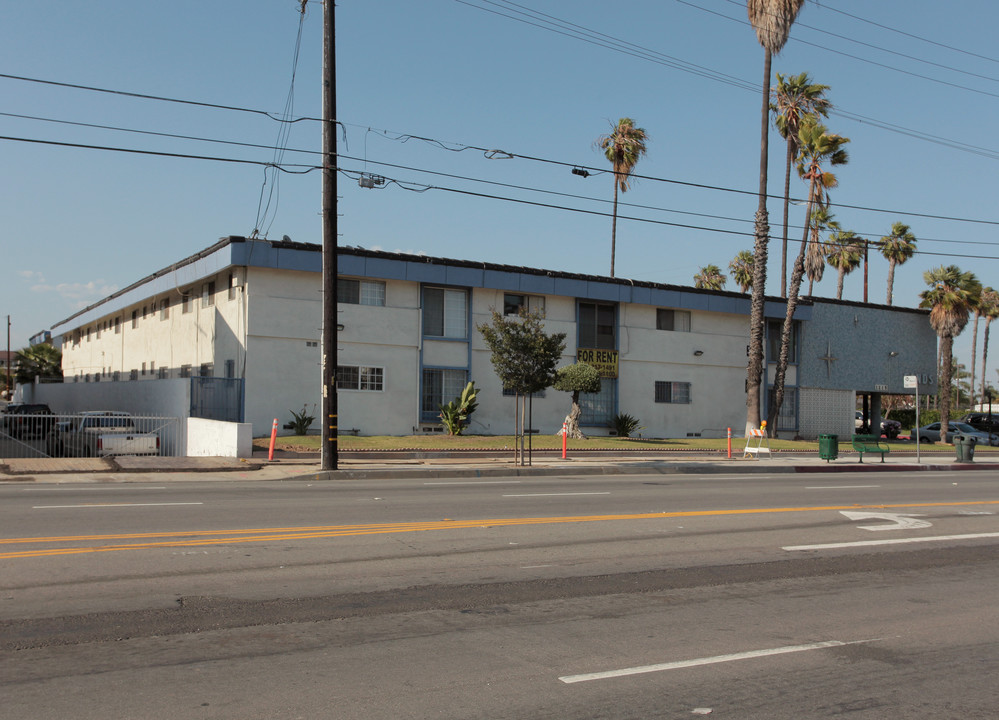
(26,420)
(983,421)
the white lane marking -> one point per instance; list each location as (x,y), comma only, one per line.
(532,567)
(557,494)
(840,487)
(477,482)
(708,660)
(76,488)
(902,521)
(95,505)
(895,541)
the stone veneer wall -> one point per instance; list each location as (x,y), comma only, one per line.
(825,412)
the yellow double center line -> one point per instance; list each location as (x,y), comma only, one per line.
(202,538)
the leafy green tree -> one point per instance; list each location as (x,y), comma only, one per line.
(623,146)
(741,268)
(844,253)
(454,416)
(897,246)
(951,297)
(795,98)
(710,277)
(576,378)
(771,20)
(816,147)
(42,361)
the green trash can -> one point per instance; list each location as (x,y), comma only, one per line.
(964,445)
(828,447)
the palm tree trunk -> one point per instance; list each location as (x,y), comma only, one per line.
(946,370)
(614,228)
(787,204)
(891,280)
(985,353)
(797,274)
(754,370)
(839,283)
(974,356)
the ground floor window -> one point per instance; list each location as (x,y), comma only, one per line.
(355,377)
(787,419)
(672,392)
(598,408)
(440,386)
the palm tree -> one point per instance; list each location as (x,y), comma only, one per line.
(742,269)
(623,146)
(816,146)
(42,360)
(709,278)
(897,247)
(988,305)
(815,256)
(951,297)
(846,250)
(794,98)
(771,20)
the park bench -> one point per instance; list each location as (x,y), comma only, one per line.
(870,444)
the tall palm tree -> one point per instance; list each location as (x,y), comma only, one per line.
(897,246)
(815,256)
(710,278)
(817,146)
(794,98)
(988,305)
(623,146)
(741,268)
(846,250)
(951,297)
(771,20)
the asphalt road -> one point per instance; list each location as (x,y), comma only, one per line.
(868,595)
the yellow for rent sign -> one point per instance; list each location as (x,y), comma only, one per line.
(605,361)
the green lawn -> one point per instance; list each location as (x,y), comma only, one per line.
(307,443)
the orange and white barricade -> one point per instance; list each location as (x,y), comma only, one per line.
(757,442)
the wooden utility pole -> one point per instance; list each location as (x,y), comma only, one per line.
(330,452)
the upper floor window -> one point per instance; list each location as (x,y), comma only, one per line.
(774,330)
(445,313)
(513,302)
(185,302)
(674,320)
(164,308)
(208,294)
(597,323)
(360,292)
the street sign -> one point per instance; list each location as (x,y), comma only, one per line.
(909,381)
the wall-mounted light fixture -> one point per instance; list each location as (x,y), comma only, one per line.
(698,353)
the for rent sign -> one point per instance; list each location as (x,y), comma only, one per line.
(605,361)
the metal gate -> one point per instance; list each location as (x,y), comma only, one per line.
(215,398)
(50,435)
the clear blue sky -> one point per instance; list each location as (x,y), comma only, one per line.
(80,223)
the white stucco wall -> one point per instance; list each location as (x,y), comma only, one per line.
(211,438)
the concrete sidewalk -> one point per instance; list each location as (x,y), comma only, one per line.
(451,465)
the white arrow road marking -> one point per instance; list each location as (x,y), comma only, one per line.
(901,521)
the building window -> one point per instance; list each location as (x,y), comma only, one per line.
(598,408)
(673,392)
(208,294)
(230,368)
(787,418)
(597,326)
(152,367)
(185,301)
(360,292)
(117,325)
(674,320)
(233,281)
(116,376)
(143,370)
(775,329)
(354,377)
(161,373)
(135,319)
(133,374)
(164,308)
(311,343)
(206,370)
(145,311)
(440,386)
(185,371)
(513,302)
(445,313)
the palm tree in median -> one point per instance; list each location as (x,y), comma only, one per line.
(710,278)
(795,98)
(897,246)
(623,146)
(771,20)
(846,250)
(951,297)
(988,304)
(815,256)
(741,268)
(981,310)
